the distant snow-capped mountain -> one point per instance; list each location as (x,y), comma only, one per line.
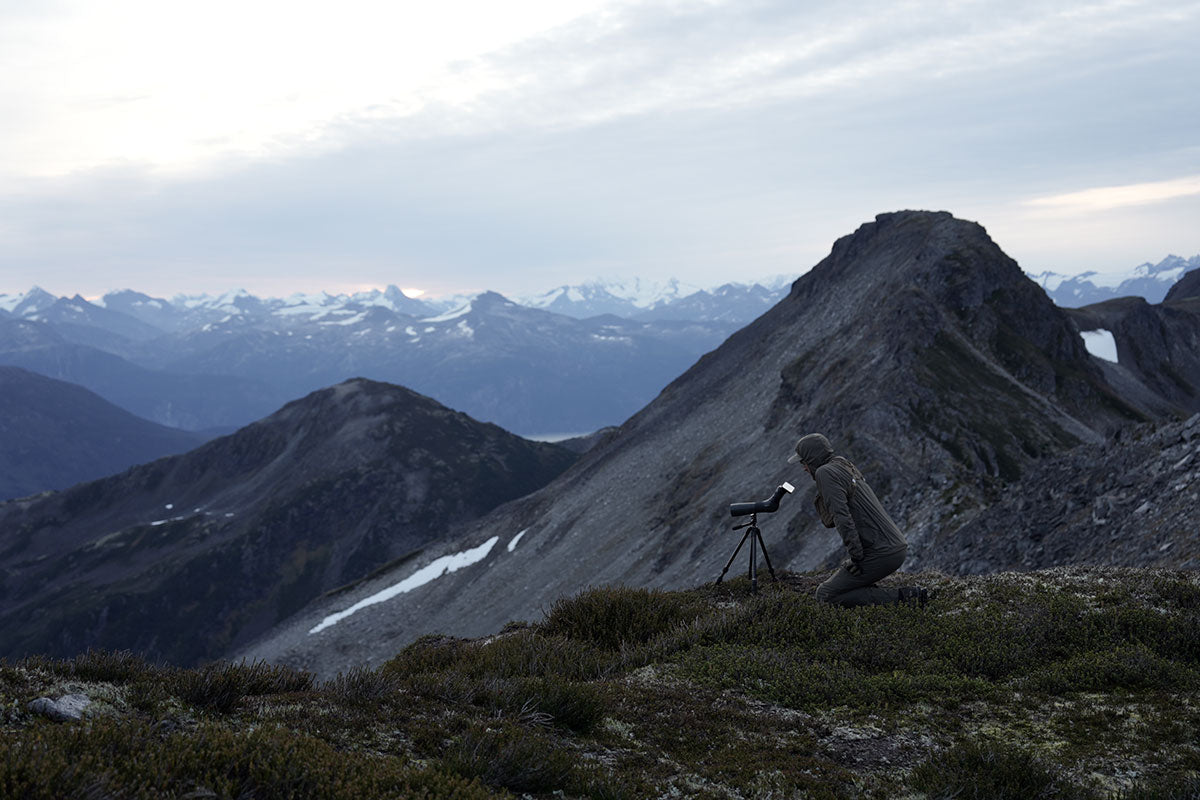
(589,357)
(1151,281)
(642,299)
(530,370)
(620,297)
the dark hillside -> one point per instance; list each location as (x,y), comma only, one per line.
(1187,287)
(190,402)
(188,556)
(55,434)
(1064,683)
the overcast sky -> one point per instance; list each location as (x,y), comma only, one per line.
(458,146)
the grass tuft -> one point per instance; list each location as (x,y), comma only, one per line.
(510,756)
(612,617)
(222,685)
(361,687)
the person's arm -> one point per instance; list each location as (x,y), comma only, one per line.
(837,497)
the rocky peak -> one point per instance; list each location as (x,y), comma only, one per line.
(34,301)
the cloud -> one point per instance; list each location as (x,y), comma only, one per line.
(1107,198)
(709,141)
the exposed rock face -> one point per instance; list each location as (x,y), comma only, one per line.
(186,557)
(1157,345)
(917,346)
(55,434)
(1128,502)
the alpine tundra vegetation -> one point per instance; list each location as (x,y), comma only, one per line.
(1067,682)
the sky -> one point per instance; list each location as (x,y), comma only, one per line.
(458,146)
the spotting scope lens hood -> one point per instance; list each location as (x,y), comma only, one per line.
(769,505)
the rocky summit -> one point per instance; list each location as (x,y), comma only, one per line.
(188,556)
(922,350)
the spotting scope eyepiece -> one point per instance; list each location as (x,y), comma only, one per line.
(769,505)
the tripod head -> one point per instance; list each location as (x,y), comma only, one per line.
(750,523)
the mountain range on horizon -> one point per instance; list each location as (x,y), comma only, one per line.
(225,362)
(633,297)
(1148,281)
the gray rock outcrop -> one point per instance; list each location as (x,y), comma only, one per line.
(67,708)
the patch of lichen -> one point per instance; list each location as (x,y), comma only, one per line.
(1066,681)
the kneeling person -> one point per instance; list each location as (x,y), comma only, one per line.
(875,545)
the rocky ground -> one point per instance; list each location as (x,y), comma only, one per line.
(1133,500)
(1079,682)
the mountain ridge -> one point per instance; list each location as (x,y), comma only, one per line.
(225,539)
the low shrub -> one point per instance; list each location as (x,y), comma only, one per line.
(975,770)
(1181,591)
(127,759)
(1132,668)
(361,687)
(615,616)
(511,756)
(524,653)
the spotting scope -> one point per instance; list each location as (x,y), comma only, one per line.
(769,505)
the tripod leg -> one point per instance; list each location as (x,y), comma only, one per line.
(763,546)
(753,561)
(732,557)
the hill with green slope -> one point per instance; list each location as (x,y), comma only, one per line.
(1069,683)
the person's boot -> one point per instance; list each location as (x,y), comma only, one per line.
(916,596)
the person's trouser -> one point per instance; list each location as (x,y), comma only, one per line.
(844,589)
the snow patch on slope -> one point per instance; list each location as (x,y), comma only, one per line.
(435,569)
(1101,344)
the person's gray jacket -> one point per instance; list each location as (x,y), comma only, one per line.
(845,500)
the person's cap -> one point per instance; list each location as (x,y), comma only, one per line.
(813,448)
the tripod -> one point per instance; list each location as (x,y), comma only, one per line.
(755,536)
